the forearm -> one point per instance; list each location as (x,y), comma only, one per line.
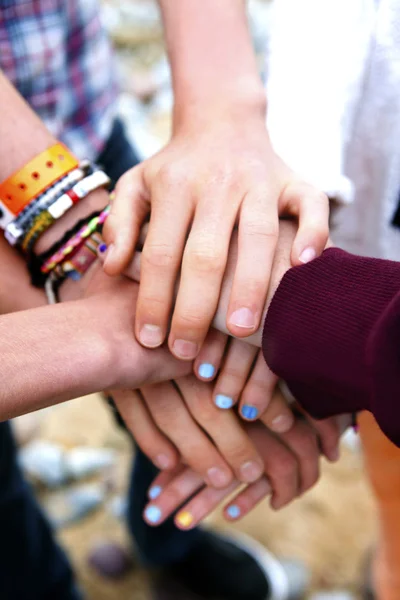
(212,57)
(23,136)
(49,355)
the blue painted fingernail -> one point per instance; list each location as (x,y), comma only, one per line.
(154,492)
(152,514)
(233,511)
(102,248)
(249,412)
(206,370)
(223,401)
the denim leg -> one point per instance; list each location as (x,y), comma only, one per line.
(33,566)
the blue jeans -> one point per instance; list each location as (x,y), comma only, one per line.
(32,565)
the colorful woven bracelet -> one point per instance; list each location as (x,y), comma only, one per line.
(18,190)
(82,189)
(69,247)
(18,227)
(35,262)
(81,260)
(41,224)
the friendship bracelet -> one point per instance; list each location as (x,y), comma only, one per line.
(75,241)
(20,226)
(18,190)
(75,268)
(35,262)
(82,189)
(16,229)
(41,224)
(80,260)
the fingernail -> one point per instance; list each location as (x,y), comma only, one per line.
(250,471)
(307,255)
(218,477)
(206,370)
(152,514)
(281,423)
(102,248)
(249,412)
(244,318)
(162,461)
(184,518)
(223,401)
(233,511)
(150,335)
(184,349)
(154,492)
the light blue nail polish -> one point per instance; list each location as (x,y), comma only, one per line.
(153,514)
(223,401)
(206,370)
(154,492)
(249,412)
(233,511)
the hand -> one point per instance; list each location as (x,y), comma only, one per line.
(291,467)
(213,174)
(178,421)
(127,363)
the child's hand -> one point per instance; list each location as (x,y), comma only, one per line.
(291,467)
(177,420)
(209,178)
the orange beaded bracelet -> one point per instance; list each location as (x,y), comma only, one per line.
(35,177)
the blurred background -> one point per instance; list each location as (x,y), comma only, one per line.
(77,457)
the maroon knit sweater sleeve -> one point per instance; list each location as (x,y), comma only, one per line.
(333,333)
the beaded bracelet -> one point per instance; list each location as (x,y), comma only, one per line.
(35,262)
(16,229)
(80,260)
(46,218)
(68,248)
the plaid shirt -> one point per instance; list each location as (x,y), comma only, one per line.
(57,55)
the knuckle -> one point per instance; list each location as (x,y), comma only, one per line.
(206,259)
(231,373)
(308,448)
(159,256)
(191,322)
(285,468)
(240,453)
(262,228)
(173,175)
(165,415)
(204,412)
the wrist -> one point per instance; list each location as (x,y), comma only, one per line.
(241,100)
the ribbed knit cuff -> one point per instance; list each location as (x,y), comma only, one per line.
(326,334)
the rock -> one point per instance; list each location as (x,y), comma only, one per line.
(67,507)
(53,466)
(118,507)
(333,595)
(84,461)
(44,462)
(110,560)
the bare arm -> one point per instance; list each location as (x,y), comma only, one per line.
(212,58)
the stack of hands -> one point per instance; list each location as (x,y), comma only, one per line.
(206,410)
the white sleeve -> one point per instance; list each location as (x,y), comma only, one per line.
(317,61)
